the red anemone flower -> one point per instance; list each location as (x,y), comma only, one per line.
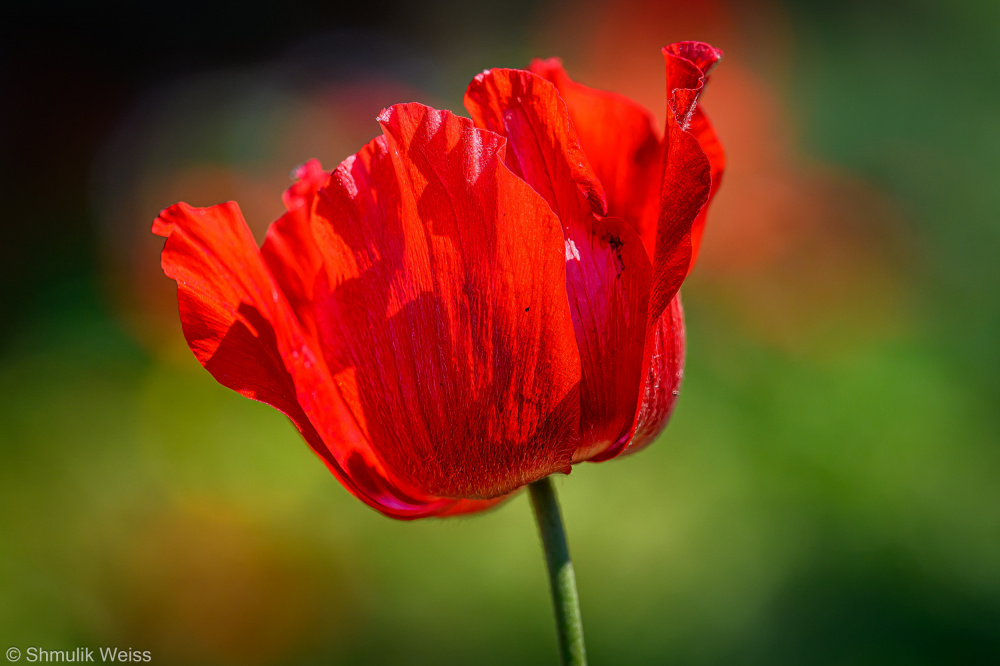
(464,307)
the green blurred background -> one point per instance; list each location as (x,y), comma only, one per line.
(828,491)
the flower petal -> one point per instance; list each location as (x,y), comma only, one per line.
(443,312)
(687,175)
(543,148)
(241,328)
(621,142)
(663,377)
(607,268)
(290,249)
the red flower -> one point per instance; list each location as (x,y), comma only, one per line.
(462,308)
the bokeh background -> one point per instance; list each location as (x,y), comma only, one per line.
(828,491)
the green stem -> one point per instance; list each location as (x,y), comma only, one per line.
(561,577)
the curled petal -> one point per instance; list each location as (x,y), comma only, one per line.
(607,269)
(443,313)
(684,192)
(241,327)
(701,55)
(687,174)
